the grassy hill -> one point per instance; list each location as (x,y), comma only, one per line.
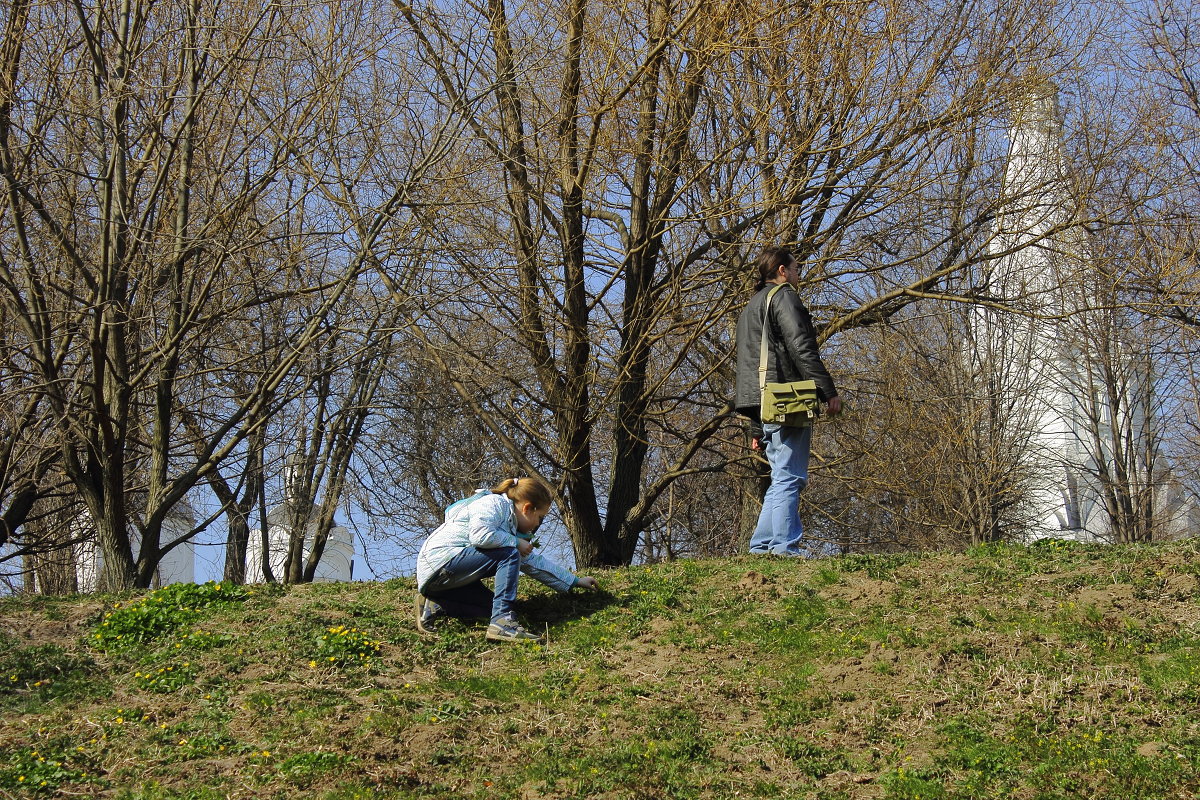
(1053,671)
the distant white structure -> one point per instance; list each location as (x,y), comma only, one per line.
(1041,358)
(337,559)
(176,566)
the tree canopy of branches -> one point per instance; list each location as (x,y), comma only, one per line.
(628,160)
(413,244)
(190,196)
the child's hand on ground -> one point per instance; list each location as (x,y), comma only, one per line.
(588,582)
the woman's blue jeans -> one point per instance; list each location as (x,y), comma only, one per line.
(779,530)
(458,586)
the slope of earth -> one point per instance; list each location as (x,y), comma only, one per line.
(1055,671)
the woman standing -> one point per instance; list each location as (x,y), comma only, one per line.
(792,355)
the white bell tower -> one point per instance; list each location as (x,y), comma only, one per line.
(1049,348)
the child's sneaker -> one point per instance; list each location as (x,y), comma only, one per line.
(429,614)
(507,629)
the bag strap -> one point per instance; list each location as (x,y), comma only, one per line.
(762,345)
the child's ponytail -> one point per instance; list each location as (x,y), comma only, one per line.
(525,490)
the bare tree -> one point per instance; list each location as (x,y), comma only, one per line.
(156,161)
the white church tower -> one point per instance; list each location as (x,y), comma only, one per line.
(1077,396)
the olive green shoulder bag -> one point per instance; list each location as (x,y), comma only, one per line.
(793,404)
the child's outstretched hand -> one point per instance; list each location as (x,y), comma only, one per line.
(588,582)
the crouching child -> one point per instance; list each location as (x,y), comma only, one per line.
(488,535)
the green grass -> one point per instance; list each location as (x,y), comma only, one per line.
(1049,672)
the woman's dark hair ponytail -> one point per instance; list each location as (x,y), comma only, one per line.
(769,263)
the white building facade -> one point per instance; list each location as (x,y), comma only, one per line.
(177,565)
(337,558)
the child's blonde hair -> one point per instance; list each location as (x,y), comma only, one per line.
(525,490)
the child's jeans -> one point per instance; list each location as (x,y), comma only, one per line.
(458,586)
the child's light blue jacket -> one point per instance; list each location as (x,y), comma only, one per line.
(484,520)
